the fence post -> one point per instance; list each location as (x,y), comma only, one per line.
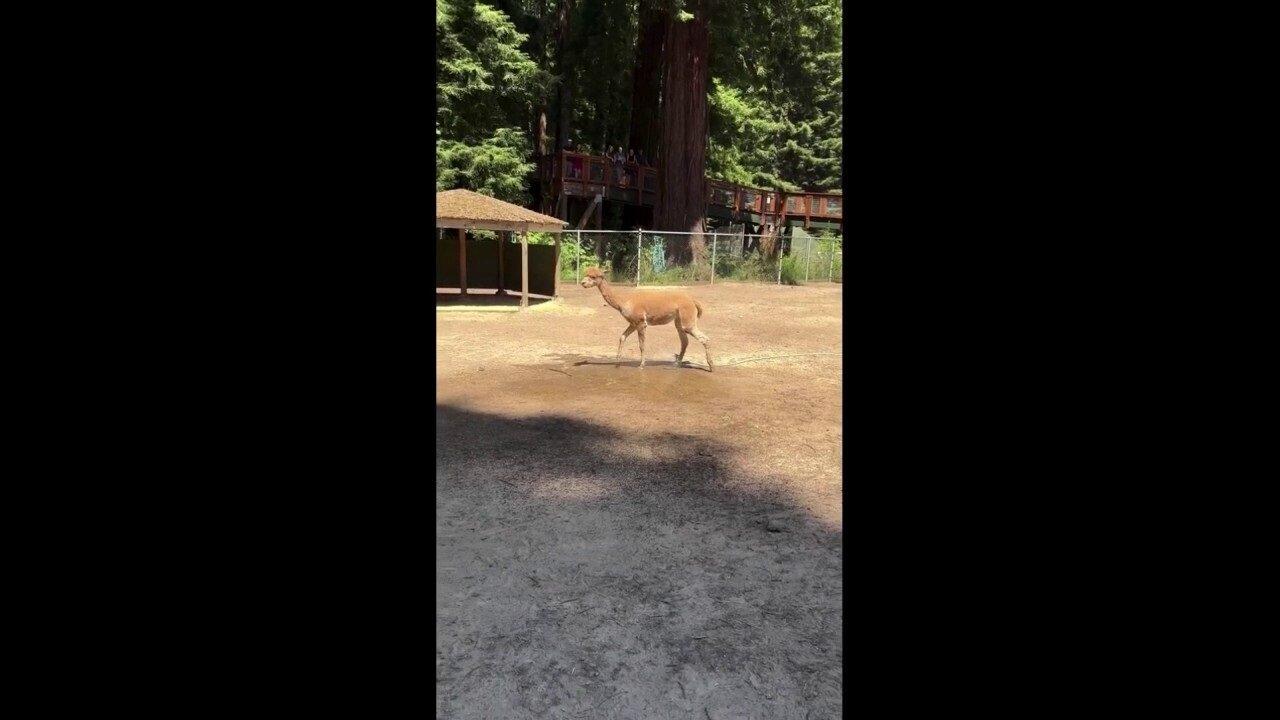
(713,258)
(639,249)
(779,246)
(577,270)
(808,254)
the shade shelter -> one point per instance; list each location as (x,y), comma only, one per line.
(466,210)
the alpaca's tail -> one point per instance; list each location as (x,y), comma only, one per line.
(699,306)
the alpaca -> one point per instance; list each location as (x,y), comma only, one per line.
(653,307)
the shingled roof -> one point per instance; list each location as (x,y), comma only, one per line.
(473,211)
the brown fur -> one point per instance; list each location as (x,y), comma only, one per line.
(652,307)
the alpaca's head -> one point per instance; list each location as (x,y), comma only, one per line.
(592,277)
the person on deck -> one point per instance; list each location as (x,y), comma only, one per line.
(630,173)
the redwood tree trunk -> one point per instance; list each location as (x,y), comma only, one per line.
(647,77)
(682,192)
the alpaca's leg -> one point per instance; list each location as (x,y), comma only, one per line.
(625,334)
(702,338)
(640,335)
(684,343)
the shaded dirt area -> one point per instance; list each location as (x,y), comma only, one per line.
(623,543)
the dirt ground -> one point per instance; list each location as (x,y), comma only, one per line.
(614,542)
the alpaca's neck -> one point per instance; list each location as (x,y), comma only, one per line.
(610,297)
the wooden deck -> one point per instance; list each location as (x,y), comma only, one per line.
(571,174)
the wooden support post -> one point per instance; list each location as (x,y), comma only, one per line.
(556,291)
(590,209)
(502,246)
(524,270)
(462,260)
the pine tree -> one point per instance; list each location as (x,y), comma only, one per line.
(484,81)
(776,102)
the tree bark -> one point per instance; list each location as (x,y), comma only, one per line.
(750,244)
(538,51)
(645,125)
(682,193)
(542,132)
(564,93)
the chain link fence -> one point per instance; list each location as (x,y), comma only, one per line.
(665,258)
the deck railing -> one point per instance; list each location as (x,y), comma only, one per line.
(594,173)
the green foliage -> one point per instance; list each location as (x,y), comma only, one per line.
(485,84)
(752,268)
(574,258)
(497,166)
(774,96)
(741,129)
(622,262)
(792,269)
(599,72)
(776,112)
(671,274)
(482,73)
(833,245)
(821,263)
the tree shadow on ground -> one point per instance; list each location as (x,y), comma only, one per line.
(585,572)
